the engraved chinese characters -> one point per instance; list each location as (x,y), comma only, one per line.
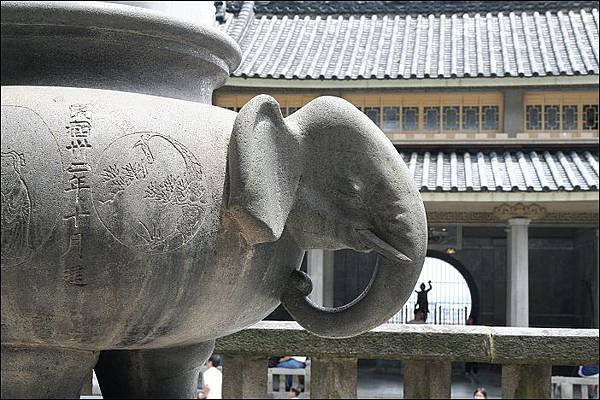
(28,216)
(151,193)
(79,129)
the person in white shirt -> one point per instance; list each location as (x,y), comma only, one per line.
(212,379)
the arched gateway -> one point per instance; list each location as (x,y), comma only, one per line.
(453,296)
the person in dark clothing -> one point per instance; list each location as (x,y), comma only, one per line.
(422,302)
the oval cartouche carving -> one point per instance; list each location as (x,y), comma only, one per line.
(150,192)
(31,173)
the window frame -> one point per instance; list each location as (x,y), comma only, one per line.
(561,99)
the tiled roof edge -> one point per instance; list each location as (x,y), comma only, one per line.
(404,8)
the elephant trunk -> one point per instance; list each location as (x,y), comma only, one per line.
(400,259)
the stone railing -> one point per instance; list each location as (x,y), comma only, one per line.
(427,353)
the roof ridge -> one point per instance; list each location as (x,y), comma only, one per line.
(241,23)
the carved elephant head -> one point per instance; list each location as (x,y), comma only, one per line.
(327,177)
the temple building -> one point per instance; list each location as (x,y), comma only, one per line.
(494,108)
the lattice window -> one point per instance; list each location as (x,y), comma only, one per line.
(564,110)
(534,117)
(451,118)
(590,116)
(391,118)
(552,117)
(410,118)
(490,117)
(374,114)
(432,118)
(569,117)
(471,118)
(405,112)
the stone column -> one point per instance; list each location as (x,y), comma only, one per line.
(526,381)
(333,378)
(427,379)
(319,266)
(517,279)
(244,377)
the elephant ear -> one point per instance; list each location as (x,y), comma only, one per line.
(264,170)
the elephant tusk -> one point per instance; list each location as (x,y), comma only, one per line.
(381,246)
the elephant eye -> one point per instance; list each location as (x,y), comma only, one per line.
(351,187)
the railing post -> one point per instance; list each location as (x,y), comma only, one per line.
(526,381)
(244,377)
(427,379)
(333,378)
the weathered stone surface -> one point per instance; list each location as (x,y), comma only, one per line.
(333,378)
(427,379)
(424,342)
(34,372)
(135,221)
(551,346)
(526,381)
(244,377)
(145,48)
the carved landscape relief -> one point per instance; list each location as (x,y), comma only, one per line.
(152,195)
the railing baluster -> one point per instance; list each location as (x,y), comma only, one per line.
(525,353)
(526,381)
(244,377)
(427,379)
(333,378)
(584,391)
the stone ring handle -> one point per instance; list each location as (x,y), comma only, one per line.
(374,306)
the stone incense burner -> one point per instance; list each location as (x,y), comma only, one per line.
(139,222)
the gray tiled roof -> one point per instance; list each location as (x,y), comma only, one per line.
(403,47)
(504,171)
(406,7)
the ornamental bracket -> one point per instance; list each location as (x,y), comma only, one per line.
(519,210)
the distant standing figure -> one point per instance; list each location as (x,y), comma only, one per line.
(212,379)
(422,302)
